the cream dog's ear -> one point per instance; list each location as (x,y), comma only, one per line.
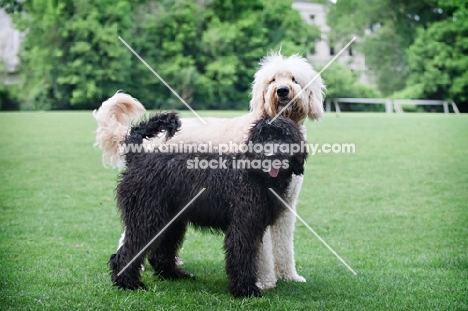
(315,101)
(257,103)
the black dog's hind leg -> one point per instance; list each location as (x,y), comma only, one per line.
(163,256)
(129,277)
(241,244)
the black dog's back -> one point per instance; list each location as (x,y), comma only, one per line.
(173,182)
(171,177)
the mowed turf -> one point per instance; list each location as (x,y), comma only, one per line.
(396,210)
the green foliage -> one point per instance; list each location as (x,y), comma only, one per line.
(413,91)
(164,35)
(394,25)
(12,6)
(353,17)
(207,51)
(412,108)
(385,58)
(8,100)
(343,82)
(438,59)
(70,57)
(285,29)
(418,49)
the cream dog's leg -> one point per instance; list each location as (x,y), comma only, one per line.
(282,236)
(265,263)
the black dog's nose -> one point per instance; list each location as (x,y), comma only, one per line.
(282,91)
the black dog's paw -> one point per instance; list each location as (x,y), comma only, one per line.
(173,274)
(181,274)
(246,291)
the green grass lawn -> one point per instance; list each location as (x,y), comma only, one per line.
(396,211)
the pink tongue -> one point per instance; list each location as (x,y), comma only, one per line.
(274,172)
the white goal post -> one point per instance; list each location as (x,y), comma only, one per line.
(390,104)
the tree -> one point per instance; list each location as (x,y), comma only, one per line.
(165,34)
(387,28)
(13,6)
(438,59)
(70,57)
(207,51)
(343,82)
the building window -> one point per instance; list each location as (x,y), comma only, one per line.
(350,51)
(332,50)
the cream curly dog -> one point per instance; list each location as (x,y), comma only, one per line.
(278,80)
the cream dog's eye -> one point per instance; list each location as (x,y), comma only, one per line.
(273,80)
(294,80)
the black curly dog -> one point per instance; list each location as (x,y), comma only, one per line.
(156,186)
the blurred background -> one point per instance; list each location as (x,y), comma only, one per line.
(61,55)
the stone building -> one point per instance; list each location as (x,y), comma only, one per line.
(326,49)
(10,40)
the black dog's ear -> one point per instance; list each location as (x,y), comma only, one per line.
(297,163)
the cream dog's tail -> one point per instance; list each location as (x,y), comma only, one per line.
(114,118)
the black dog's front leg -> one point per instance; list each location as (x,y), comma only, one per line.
(241,245)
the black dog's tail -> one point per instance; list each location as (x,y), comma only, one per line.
(157,123)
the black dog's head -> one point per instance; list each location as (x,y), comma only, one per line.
(278,141)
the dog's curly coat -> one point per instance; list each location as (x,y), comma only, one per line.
(156,186)
(278,80)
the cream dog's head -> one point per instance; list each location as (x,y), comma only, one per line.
(282,80)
